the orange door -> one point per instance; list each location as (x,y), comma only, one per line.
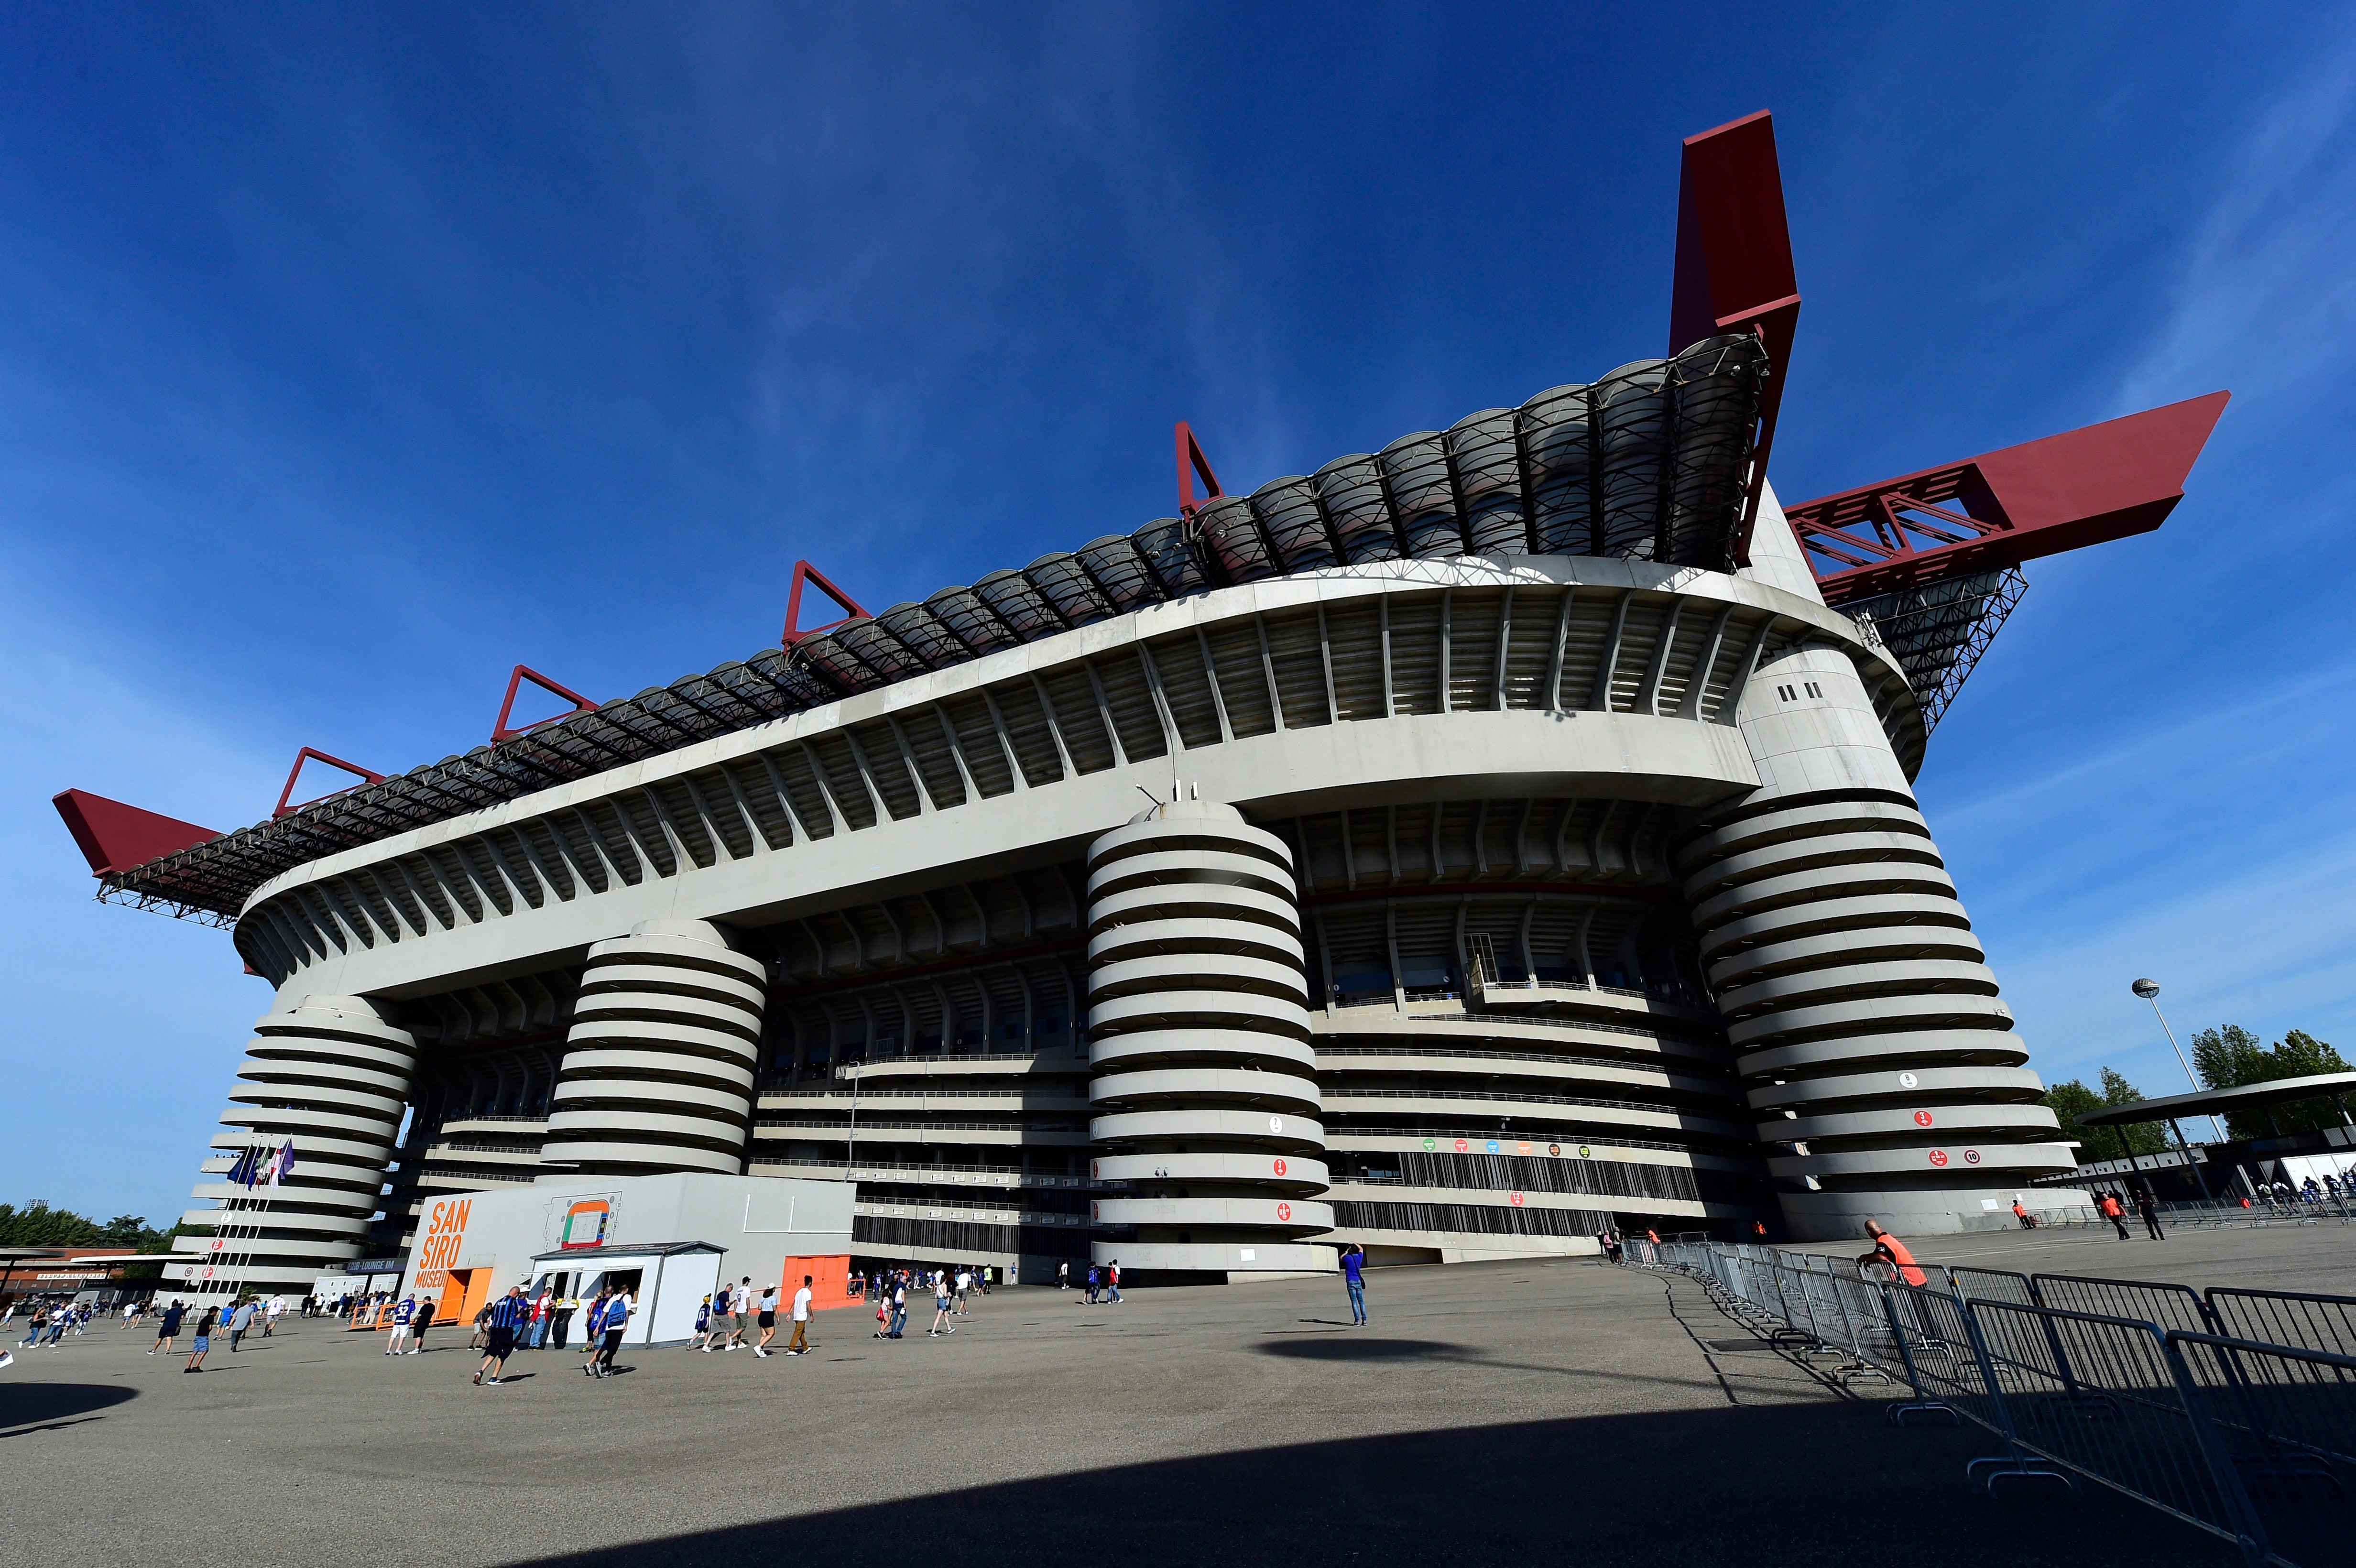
(462,1297)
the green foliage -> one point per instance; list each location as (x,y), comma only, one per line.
(2232,1057)
(64,1228)
(2072,1100)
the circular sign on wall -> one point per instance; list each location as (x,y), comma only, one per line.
(1971,1157)
(1554,1148)
(1908,1080)
(1284,1210)
(1279,1168)
(1938,1156)
(1921,1118)
(1583,1153)
(1493,1146)
(1463,1144)
(1431,1143)
(1524,1148)
(1276,1124)
(1515,1198)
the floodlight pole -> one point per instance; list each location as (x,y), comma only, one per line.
(2149,991)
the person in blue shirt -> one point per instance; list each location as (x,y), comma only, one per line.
(511,1312)
(1353,1264)
(617,1318)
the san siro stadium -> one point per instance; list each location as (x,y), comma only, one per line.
(1461,849)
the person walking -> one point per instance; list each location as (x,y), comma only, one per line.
(617,1318)
(507,1315)
(768,1319)
(1095,1276)
(566,1305)
(204,1341)
(1064,1274)
(593,1328)
(964,1288)
(238,1322)
(899,1305)
(270,1315)
(742,1303)
(1890,1250)
(1353,1264)
(1112,1282)
(723,1319)
(800,1344)
(940,1307)
(419,1323)
(702,1335)
(397,1342)
(167,1327)
(539,1305)
(2148,1207)
(2115,1212)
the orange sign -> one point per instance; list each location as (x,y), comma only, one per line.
(445,1228)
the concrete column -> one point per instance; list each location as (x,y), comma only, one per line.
(1867,1023)
(659,1063)
(1199,1035)
(332,1076)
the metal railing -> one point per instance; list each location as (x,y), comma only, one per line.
(2233,1410)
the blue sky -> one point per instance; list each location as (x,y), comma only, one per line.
(349,355)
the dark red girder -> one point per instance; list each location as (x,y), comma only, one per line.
(114,836)
(2084,487)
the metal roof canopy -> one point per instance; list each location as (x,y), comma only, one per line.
(2249,1097)
(610,1254)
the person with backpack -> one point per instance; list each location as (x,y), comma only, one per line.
(617,1318)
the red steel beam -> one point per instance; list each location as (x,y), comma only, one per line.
(2082,487)
(499,731)
(310,755)
(1734,271)
(795,630)
(115,837)
(1191,462)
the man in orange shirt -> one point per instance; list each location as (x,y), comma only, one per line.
(1888,1249)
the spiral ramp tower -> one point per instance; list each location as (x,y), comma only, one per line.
(1873,1047)
(660,1062)
(1199,1038)
(330,1074)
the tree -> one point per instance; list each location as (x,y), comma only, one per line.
(2232,1058)
(2070,1101)
(2141,1137)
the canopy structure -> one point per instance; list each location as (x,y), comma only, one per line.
(2217,1102)
(1647,463)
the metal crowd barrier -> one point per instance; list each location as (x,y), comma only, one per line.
(2234,1411)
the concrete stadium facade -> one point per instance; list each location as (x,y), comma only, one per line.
(1458,906)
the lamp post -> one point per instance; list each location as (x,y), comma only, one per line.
(2149,991)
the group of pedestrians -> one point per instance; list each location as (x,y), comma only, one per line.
(2113,1207)
(722,1318)
(953,1289)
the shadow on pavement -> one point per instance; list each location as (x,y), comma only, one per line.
(1322,1350)
(1801,1484)
(37,1407)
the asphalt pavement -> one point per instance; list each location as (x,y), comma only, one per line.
(1560,1408)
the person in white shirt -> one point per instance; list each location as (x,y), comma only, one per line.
(964,1286)
(768,1320)
(743,1302)
(800,1344)
(270,1316)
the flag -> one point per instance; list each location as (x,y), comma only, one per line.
(282,1165)
(242,1173)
